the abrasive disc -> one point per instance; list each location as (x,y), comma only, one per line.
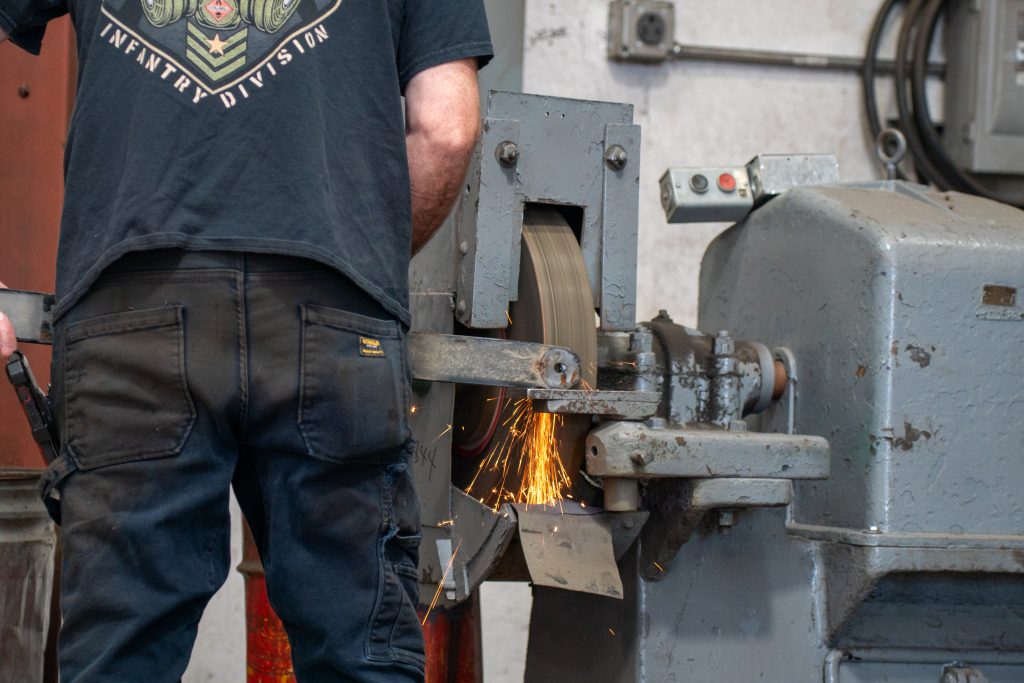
(555,306)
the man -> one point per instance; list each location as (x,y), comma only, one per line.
(232,301)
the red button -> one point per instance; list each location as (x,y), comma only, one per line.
(727,182)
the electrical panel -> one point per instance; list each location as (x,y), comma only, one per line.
(984,119)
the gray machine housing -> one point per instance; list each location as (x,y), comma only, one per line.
(901,307)
(984,130)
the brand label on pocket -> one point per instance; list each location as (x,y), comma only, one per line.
(370,347)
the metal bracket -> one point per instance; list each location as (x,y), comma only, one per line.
(679,507)
(623,405)
(493,362)
(31,313)
(636,451)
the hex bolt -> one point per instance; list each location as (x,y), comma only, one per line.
(507,153)
(616,157)
(23,91)
(463,247)
(461,308)
(723,344)
(726,520)
(639,459)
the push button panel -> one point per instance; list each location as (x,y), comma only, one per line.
(706,195)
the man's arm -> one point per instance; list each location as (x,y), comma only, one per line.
(3,36)
(442,123)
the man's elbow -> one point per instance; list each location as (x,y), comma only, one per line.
(459,140)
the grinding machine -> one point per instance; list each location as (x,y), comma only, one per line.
(825,485)
(705,528)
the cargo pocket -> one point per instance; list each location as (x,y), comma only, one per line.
(354,387)
(125,397)
(395,632)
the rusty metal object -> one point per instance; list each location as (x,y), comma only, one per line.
(781,380)
(27,544)
(268,657)
(463,359)
(556,308)
(32,133)
(453,643)
(625,405)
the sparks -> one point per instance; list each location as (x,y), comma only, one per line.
(660,568)
(413,409)
(447,429)
(530,449)
(611,631)
(440,584)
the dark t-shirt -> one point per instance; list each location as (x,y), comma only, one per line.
(248,125)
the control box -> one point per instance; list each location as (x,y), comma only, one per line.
(984,105)
(706,195)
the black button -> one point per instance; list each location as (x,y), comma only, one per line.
(699,183)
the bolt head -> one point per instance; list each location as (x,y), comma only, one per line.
(638,459)
(507,154)
(616,157)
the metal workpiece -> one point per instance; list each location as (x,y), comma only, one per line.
(493,362)
(702,452)
(30,313)
(772,174)
(540,150)
(621,405)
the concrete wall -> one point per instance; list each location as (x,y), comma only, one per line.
(691,114)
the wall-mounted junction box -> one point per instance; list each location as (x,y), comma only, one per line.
(984,129)
(641,30)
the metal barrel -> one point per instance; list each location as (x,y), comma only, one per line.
(28,541)
(453,640)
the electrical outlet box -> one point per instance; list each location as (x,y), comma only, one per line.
(641,30)
(984,105)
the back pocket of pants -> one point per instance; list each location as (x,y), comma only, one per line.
(124,386)
(354,394)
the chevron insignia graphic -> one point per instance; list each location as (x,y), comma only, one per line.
(215,45)
(216,57)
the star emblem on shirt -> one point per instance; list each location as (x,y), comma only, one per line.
(217,45)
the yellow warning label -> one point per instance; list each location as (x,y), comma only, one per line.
(370,347)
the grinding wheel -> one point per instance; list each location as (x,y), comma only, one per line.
(555,306)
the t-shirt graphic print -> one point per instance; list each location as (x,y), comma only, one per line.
(215,44)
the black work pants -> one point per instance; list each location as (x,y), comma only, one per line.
(183,373)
